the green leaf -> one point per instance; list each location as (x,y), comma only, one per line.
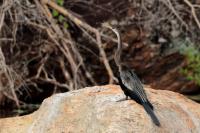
(190,78)
(60,2)
(55,13)
(66,25)
(183,71)
(61,18)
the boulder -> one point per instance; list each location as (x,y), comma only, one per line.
(98,110)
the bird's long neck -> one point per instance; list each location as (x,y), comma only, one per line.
(117,56)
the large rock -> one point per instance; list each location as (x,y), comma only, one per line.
(95,109)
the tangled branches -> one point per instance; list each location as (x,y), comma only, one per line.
(43,54)
(45,57)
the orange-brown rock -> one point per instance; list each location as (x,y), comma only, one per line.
(96,110)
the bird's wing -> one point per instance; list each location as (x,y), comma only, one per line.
(133,83)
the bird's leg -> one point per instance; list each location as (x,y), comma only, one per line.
(126,97)
(123,99)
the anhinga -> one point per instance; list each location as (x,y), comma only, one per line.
(131,84)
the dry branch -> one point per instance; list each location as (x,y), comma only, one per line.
(80,23)
(193,12)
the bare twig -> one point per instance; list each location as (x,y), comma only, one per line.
(80,23)
(175,13)
(193,12)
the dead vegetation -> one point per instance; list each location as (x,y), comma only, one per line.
(40,57)
(44,55)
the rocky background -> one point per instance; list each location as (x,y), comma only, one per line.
(96,109)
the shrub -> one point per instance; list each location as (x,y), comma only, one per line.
(192,69)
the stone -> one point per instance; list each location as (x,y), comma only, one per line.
(97,110)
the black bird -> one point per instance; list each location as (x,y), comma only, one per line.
(131,84)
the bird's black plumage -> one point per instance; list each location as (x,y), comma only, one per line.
(131,84)
(132,87)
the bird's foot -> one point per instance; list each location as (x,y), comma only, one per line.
(123,99)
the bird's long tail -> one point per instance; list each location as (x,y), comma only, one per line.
(151,113)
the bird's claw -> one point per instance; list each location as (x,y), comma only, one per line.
(123,99)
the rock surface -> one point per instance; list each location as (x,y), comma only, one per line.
(96,110)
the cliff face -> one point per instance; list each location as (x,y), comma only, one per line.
(95,109)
